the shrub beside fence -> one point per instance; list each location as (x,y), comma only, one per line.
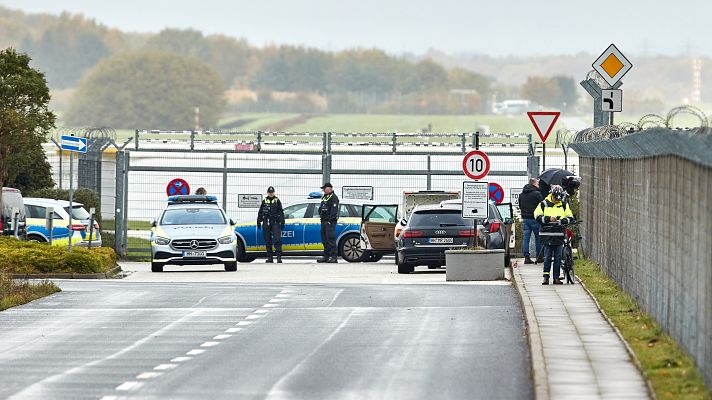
(646,203)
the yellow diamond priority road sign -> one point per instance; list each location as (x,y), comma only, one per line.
(612,65)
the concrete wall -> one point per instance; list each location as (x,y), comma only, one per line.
(648,223)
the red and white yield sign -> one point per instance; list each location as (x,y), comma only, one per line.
(476,164)
(543,122)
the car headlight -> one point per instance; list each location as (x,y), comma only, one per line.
(161,241)
(226,240)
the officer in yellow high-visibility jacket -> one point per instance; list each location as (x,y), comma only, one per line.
(553,214)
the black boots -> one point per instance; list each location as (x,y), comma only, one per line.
(332,260)
(322,259)
(269,260)
(279,259)
(546,281)
(528,260)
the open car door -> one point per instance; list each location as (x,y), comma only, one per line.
(377,225)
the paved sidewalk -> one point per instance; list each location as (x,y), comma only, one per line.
(576,354)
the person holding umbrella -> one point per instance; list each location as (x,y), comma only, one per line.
(553,214)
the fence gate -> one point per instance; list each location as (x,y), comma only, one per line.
(228,164)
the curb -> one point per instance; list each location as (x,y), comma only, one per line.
(101,275)
(536,349)
(631,353)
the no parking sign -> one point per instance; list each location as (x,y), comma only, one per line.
(496,193)
(178,186)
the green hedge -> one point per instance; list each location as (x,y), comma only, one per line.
(20,257)
(89,198)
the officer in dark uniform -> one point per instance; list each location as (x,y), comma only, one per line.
(329,214)
(271,215)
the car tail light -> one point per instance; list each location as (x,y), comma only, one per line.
(77,227)
(467,233)
(412,234)
(495,225)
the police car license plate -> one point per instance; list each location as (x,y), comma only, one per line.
(195,254)
(440,240)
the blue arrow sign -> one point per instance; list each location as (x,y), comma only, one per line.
(71,143)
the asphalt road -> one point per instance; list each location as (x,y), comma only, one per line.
(123,339)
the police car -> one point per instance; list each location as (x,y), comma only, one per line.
(301,235)
(79,231)
(193,230)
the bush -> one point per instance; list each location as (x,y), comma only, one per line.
(21,257)
(89,198)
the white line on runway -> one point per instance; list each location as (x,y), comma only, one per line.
(242,323)
(148,375)
(165,367)
(253,316)
(195,352)
(221,337)
(261,311)
(130,385)
(181,359)
(209,344)
(233,330)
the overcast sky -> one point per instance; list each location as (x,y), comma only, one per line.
(495,27)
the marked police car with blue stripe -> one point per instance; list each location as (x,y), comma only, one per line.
(301,235)
(80,230)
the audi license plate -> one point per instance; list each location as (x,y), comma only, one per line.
(440,240)
(195,254)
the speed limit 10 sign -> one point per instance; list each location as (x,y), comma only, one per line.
(476,164)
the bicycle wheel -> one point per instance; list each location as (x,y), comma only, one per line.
(568,267)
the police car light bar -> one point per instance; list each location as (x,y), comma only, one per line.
(314,195)
(192,199)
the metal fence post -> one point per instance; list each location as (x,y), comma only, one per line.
(225,182)
(463,140)
(119,204)
(429,177)
(136,139)
(394,142)
(127,164)
(259,140)
(192,140)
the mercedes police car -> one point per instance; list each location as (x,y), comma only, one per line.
(193,230)
(301,235)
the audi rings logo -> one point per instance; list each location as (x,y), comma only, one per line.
(194,244)
(440,232)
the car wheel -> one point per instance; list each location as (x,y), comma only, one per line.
(242,255)
(350,248)
(36,239)
(156,267)
(403,267)
(231,266)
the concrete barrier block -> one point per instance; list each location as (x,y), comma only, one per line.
(474,265)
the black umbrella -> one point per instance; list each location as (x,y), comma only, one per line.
(552,176)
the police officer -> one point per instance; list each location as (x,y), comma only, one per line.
(270,219)
(329,214)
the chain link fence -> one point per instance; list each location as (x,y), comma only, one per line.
(646,204)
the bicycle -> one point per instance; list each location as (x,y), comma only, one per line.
(567,257)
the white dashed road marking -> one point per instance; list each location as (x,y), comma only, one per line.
(259,313)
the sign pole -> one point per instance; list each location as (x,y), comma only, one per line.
(543,157)
(71,196)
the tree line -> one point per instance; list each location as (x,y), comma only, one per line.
(127,80)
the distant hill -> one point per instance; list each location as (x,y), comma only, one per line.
(667,79)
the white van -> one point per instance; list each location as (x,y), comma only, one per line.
(11,209)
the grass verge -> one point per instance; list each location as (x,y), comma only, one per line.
(14,293)
(667,366)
